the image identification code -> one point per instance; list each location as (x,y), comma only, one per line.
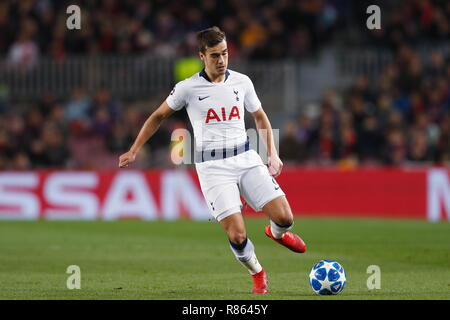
(246,309)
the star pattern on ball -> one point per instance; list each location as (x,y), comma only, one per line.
(327,277)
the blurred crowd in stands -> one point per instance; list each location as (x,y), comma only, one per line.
(412,22)
(257,29)
(84,131)
(401,118)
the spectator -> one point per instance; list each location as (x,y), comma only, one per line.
(21,162)
(370,140)
(23,54)
(395,152)
(106,103)
(76,111)
(419,149)
(119,139)
(291,149)
(54,147)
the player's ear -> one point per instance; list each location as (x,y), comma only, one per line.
(201,55)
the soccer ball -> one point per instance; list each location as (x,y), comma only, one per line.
(327,277)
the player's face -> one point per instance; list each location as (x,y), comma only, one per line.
(216,59)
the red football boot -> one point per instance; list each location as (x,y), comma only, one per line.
(289,240)
(260,282)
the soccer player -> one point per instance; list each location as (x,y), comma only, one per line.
(215,100)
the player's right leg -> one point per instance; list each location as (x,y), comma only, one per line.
(218,182)
(244,250)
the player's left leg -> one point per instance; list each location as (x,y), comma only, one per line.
(280,214)
(281,221)
(262,192)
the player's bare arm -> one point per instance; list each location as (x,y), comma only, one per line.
(265,132)
(148,129)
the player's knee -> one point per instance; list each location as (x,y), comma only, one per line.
(285,221)
(279,212)
(237,237)
(285,218)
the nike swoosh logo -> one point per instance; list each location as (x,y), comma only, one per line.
(276,184)
(202,98)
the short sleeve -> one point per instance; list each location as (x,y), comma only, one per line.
(251,100)
(177,98)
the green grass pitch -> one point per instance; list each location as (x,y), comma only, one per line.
(192,260)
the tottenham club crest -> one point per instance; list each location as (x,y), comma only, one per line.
(236,93)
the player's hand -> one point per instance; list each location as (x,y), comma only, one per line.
(126,158)
(275,165)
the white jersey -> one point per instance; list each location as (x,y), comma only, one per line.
(216,109)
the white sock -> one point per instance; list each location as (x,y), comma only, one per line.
(278,231)
(245,254)
(252,265)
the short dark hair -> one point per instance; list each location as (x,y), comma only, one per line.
(209,38)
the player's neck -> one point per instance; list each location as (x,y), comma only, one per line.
(215,77)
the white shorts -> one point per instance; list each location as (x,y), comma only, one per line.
(223,181)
